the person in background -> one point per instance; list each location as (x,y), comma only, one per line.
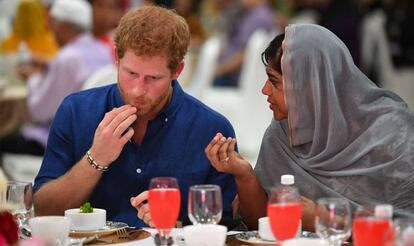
(107,143)
(333,129)
(343,18)
(399,22)
(219,16)
(30,28)
(256,14)
(189,10)
(105,17)
(49,82)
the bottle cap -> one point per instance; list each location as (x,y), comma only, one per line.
(384,211)
(287,179)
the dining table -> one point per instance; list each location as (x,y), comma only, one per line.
(145,237)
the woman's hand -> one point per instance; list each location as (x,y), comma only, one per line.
(224,158)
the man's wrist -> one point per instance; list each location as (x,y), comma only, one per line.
(94,164)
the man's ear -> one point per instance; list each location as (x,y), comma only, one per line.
(116,56)
(179,69)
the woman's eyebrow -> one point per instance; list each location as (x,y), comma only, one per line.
(270,74)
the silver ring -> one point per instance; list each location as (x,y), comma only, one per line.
(226,159)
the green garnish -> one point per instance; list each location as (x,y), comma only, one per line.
(86,208)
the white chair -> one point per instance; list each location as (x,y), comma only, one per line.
(203,73)
(20,167)
(245,106)
(186,74)
(376,54)
(103,76)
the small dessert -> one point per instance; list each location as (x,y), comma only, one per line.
(86,218)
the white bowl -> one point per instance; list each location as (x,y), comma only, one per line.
(86,221)
(265,232)
(305,242)
(52,230)
(205,234)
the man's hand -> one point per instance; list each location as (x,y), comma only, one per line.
(112,134)
(224,158)
(37,64)
(139,202)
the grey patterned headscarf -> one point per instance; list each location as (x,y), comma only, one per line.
(344,136)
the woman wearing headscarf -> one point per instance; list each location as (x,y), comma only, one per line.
(30,26)
(333,128)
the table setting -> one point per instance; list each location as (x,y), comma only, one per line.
(370,225)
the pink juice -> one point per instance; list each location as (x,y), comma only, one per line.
(284,219)
(164,205)
(371,231)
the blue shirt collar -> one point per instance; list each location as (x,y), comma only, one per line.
(168,111)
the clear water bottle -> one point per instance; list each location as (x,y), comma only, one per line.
(23,56)
(383,213)
(289,180)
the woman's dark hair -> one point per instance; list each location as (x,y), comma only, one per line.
(273,53)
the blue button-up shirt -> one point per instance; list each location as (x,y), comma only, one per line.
(173,146)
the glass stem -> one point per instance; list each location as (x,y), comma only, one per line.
(335,242)
(162,238)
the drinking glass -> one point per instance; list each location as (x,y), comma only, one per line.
(19,197)
(404,232)
(285,212)
(164,204)
(205,204)
(371,228)
(333,220)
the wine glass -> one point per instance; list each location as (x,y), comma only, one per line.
(333,220)
(285,212)
(164,204)
(372,225)
(404,232)
(205,204)
(19,197)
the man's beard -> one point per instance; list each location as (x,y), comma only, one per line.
(151,105)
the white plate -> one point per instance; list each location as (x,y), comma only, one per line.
(110,228)
(253,238)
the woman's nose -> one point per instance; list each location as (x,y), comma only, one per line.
(266,90)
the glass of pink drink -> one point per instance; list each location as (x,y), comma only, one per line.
(285,212)
(372,230)
(164,204)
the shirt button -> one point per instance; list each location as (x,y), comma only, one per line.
(139,170)
(166,119)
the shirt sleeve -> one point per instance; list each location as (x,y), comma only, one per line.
(59,156)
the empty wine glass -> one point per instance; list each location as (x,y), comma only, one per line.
(285,211)
(404,232)
(333,220)
(164,203)
(205,204)
(19,197)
